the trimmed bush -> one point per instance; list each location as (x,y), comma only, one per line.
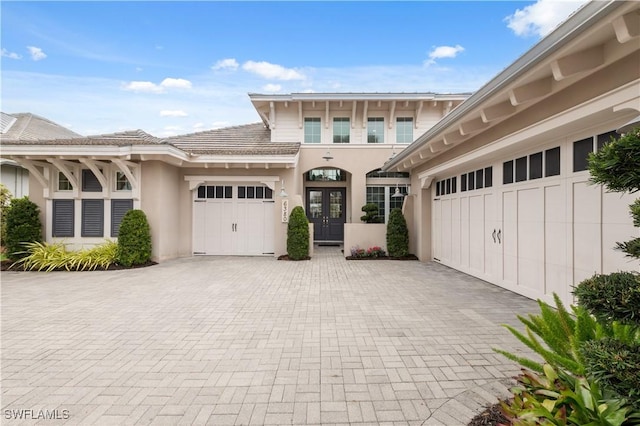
(371,213)
(397,234)
(134,239)
(23,226)
(615,365)
(613,297)
(298,235)
(5,199)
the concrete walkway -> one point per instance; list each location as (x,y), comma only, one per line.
(218,340)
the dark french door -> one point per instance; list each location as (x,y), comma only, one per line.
(326,210)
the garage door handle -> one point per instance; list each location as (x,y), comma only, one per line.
(494,235)
(499,236)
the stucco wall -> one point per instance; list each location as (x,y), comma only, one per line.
(364,235)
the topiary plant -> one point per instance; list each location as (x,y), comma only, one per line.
(23,226)
(134,239)
(298,235)
(371,213)
(397,234)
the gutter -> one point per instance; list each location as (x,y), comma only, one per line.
(576,24)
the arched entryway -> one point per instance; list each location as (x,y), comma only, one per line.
(326,203)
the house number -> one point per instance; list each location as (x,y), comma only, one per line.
(285,211)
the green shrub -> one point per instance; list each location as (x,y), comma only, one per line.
(5,200)
(50,257)
(298,235)
(558,398)
(617,164)
(614,365)
(134,239)
(613,297)
(397,234)
(23,226)
(371,213)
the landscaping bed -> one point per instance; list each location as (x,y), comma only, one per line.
(492,416)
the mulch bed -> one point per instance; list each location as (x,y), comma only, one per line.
(407,257)
(6,266)
(492,416)
(286,257)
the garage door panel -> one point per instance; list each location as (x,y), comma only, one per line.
(199,223)
(446,230)
(455,231)
(509,238)
(617,226)
(476,234)
(464,232)
(531,238)
(587,231)
(555,246)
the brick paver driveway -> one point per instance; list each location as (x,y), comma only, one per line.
(255,341)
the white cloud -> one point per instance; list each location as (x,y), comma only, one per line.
(541,17)
(198,126)
(176,83)
(172,113)
(143,87)
(36,53)
(272,71)
(226,64)
(272,88)
(11,55)
(439,52)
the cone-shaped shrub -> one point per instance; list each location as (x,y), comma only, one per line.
(23,226)
(298,235)
(134,239)
(397,234)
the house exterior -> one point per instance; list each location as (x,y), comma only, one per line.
(502,187)
(25,126)
(229,191)
(493,184)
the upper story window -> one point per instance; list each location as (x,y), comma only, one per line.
(404,129)
(122,183)
(341,130)
(90,182)
(312,130)
(63,183)
(375,130)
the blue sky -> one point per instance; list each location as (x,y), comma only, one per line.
(178,67)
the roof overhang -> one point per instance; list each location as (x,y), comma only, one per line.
(593,38)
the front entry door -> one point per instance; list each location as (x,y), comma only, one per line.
(326,210)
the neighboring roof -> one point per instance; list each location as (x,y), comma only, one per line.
(248,139)
(27,126)
(528,66)
(131,137)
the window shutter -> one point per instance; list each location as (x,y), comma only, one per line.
(63,218)
(92,218)
(90,182)
(118,209)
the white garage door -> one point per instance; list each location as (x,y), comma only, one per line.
(233,220)
(532,224)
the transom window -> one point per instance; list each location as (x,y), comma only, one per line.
(375,130)
(383,197)
(404,129)
(326,175)
(122,183)
(312,130)
(255,192)
(63,183)
(214,191)
(341,130)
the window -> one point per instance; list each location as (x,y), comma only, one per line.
(312,130)
(92,218)
(255,192)
(378,173)
(63,220)
(463,182)
(90,182)
(552,162)
(341,130)
(535,166)
(581,151)
(606,138)
(63,183)
(382,196)
(404,129)
(488,177)
(118,210)
(375,130)
(214,191)
(122,183)
(521,169)
(326,175)
(507,172)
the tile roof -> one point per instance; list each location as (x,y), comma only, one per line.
(31,127)
(130,137)
(248,139)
